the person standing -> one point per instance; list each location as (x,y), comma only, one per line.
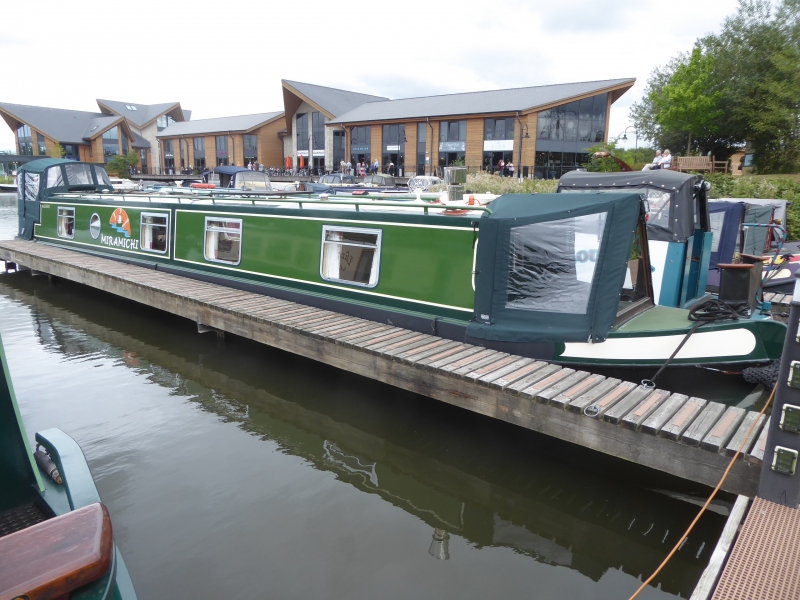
(510,169)
(500,167)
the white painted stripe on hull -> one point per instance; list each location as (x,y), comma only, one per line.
(712,344)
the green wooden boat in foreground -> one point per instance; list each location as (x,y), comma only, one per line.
(557,277)
(55,533)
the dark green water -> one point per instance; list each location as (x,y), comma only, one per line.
(239,471)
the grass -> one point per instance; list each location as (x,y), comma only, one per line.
(4,179)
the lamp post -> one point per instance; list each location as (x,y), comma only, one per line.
(625,137)
(522,137)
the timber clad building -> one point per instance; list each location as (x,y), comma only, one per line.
(543,130)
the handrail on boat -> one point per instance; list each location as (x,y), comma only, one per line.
(294,200)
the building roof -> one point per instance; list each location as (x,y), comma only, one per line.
(492,101)
(62,125)
(331,100)
(138,141)
(219,124)
(141,114)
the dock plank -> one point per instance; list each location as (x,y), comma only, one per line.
(640,413)
(411,358)
(738,441)
(722,432)
(511,367)
(702,424)
(570,393)
(548,393)
(662,414)
(621,408)
(587,397)
(490,368)
(532,392)
(444,354)
(529,380)
(756,455)
(674,428)
(515,375)
(486,361)
(607,401)
(448,360)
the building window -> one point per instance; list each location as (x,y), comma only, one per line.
(338,148)
(360,140)
(250,143)
(350,255)
(223,241)
(71,151)
(164,121)
(25,140)
(200,164)
(169,154)
(498,143)
(40,143)
(394,148)
(143,159)
(422,147)
(110,143)
(199,147)
(452,142)
(154,232)
(65,226)
(124,142)
(222,150)
(581,121)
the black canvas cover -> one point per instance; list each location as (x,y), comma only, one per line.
(550,268)
(669,195)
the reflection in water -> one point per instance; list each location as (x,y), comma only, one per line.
(460,474)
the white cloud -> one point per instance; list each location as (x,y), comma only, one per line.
(227,60)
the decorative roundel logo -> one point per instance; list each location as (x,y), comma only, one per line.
(94,226)
(120,222)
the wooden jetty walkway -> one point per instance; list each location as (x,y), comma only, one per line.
(686,437)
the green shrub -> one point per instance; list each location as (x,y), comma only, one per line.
(484,183)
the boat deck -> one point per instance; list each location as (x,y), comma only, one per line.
(686,437)
(765,560)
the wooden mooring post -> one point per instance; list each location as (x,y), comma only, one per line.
(685,437)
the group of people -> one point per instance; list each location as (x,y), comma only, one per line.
(505,169)
(255,166)
(661,161)
(363,168)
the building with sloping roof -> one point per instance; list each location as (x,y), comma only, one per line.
(308,108)
(92,136)
(544,129)
(239,140)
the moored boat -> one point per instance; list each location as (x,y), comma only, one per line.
(556,277)
(55,533)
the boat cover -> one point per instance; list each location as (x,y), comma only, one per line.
(550,268)
(670,197)
(726,219)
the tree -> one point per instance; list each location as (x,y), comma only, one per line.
(122,164)
(58,150)
(741,85)
(689,102)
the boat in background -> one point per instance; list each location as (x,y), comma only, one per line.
(55,533)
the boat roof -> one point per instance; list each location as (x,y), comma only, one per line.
(227,170)
(40,165)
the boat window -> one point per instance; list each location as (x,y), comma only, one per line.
(717,220)
(54,177)
(153,232)
(223,240)
(658,208)
(79,174)
(253,181)
(351,255)
(65,224)
(31,186)
(213,178)
(552,264)
(102,176)
(635,287)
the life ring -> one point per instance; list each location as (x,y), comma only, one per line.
(204,186)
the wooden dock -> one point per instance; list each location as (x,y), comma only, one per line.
(686,437)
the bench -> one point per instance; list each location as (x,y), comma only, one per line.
(694,163)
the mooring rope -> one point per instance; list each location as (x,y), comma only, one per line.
(679,543)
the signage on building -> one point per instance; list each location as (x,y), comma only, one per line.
(497,145)
(393,148)
(452,146)
(222,154)
(318,152)
(360,148)
(302,153)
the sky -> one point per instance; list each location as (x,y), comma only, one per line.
(220,59)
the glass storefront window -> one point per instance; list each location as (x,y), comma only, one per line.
(199,147)
(222,149)
(498,129)
(422,137)
(124,143)
(110,143)
(40,143)
(250,143)
(360,144)
(302,131)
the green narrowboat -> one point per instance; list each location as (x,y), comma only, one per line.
(557,277)
(55,533)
